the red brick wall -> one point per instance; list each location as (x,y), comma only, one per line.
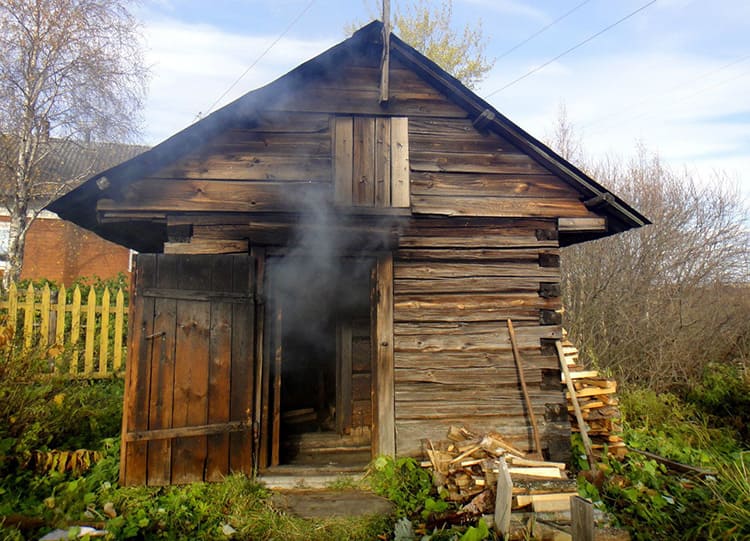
(61,251)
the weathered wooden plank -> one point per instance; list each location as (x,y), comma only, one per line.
(454,392)
(207,246)
(162,369)
(119,330)
(473,162)
(469,359)
(472,239)
(467,285)
(104,333)
(190,405)
(344,377)
(187,432)
(477,307)
(343,159)
(464,336)
(75,329)
(582,224)
(459,375)
(28,317)
(400,164)
(88,354)
(133,456)
(243,365)
(501,207)
(44,328)
(219,196)
(278,357)
(417,270)
(343,99)
(363,177)
(219,371)
(383,158)
(490,185)
(59,311)
(495,255)
(384,366)
(250,167)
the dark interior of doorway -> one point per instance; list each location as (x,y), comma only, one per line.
(321,372)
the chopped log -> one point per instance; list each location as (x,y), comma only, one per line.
(539,471)
(546,503)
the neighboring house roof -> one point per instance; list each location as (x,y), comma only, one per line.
(79,205)
(66,161)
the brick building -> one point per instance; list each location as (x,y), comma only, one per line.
(59,250)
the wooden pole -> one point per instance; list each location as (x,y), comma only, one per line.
(386,59)
(576,407)
(527,399)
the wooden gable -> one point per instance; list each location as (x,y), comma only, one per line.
(433,148)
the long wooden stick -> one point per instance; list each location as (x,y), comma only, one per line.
(527,399)
(576,407)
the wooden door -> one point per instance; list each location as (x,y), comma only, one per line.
(190,375)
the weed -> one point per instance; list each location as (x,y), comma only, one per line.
(402,481)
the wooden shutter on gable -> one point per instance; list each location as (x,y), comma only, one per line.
(371,161)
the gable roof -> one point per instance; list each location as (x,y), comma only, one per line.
(79,205)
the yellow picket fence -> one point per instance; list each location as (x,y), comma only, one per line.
(87,336)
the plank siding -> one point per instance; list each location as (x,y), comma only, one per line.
(453,357)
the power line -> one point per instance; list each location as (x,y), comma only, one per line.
(674,103)
(263,54)
(543,29)
(573,48)
(685,83)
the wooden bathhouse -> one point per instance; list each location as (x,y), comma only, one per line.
(327,266)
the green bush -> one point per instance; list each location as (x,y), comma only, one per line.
(723,395)
(403,481)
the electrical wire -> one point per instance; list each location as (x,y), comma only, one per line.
(258,59)
(654,97)
(541,30)
(571,49)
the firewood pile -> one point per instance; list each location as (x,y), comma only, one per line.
(599,405)
(466,467)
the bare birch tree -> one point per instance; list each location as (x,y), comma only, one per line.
(71,72)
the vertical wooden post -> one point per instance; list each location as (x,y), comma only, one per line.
(44,323)
(62,297)
(75,329)
(119,328)
(88,355)
(384,367)
(104,337)
(276,419)
(385,61)
(582,519)
(13,306)
(503,499)
(28,318)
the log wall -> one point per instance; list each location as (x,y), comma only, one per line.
(456,282)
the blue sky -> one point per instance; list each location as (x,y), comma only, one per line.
(675,76)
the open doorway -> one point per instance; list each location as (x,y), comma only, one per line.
(319,363)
